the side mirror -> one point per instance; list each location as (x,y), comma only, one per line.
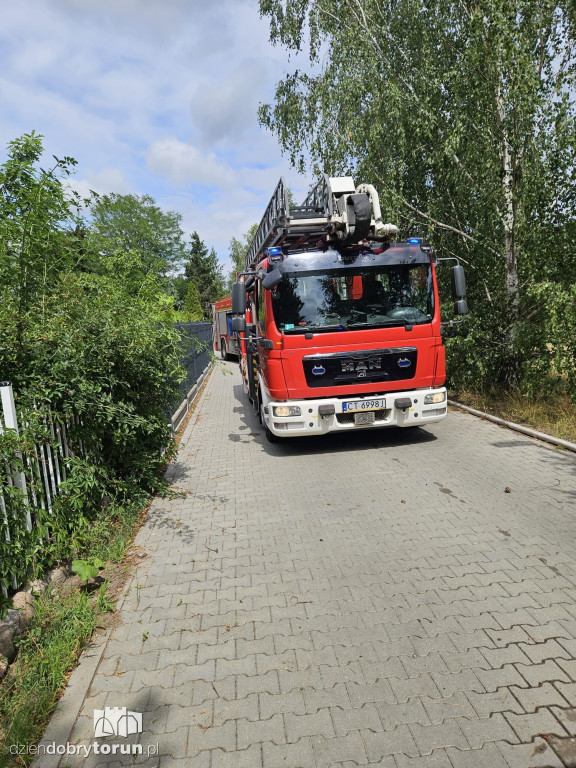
(458,283)
(238,324)
(461,307)
(272,279)
(238,299)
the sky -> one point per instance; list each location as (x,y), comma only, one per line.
(155,97)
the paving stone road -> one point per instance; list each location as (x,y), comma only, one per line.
(402,599)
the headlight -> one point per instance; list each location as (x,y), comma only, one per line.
(286,410)
(437,397)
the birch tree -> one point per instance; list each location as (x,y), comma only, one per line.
(462,113)
(238,249)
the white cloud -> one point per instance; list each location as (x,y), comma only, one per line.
(151,97)
(227,108)
(184,164)
(103,182)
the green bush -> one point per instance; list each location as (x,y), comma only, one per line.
(89,337)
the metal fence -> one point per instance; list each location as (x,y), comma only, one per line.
(30,482)
(196,349)
(36,476)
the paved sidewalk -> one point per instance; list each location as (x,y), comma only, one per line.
(402,599)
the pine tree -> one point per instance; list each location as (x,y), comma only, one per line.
(192,310)
(205,272)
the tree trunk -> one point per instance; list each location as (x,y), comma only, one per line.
(511,369)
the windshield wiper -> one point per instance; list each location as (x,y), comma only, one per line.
(314,328)
(375,324)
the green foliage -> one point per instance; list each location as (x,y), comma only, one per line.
(86,570)
(38,221)
(5,605)
(238,251)
(47,652)
(109,534)
(103,604)
(108,354)
(98,345)
(192,310)
(463,115)
(177,287)
(553,341)
(24,555)
(203,269)
(129,223)
(547,342)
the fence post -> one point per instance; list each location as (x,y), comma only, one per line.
(8,406)
(11,422)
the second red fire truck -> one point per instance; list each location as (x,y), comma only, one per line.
(224,339)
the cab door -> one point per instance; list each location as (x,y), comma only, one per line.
(259,314)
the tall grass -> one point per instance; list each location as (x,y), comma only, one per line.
(56,635)
(554,414)
(50,648)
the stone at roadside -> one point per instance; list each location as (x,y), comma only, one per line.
(58,575)
(10,627)
(36,587)
(24,602)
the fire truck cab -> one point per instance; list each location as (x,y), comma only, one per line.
(340,332)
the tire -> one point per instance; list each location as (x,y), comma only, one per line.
(359,216)
(223,349)
(270,436)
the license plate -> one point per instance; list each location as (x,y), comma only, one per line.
(364,417)
(378,404)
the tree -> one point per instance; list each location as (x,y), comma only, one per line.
(99,345)
(133,223)
(203,269)
(192,309)
(238,251)
(177,286)
(463,115)
(38,224)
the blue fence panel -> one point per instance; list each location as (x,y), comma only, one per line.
(196,345)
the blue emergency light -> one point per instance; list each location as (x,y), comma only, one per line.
(414,240)
(275,254)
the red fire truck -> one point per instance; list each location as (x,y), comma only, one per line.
(338,321)
(225,340)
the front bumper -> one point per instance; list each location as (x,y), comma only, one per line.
(312,423)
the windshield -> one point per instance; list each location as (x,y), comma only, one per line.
(390,296)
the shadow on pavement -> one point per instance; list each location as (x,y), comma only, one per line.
(385,437)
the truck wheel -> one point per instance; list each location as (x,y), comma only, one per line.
(223,349)
(270,436)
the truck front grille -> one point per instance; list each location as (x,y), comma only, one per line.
(340,369)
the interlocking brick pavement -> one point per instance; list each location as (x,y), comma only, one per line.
(371,599)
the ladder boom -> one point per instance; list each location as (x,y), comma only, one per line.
(334,210)
(276,215)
